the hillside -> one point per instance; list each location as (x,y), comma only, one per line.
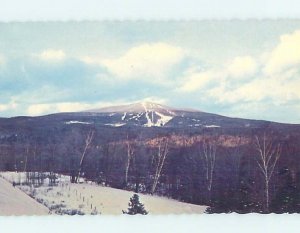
(84,197)
(15,202)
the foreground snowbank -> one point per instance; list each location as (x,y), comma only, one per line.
(15,202)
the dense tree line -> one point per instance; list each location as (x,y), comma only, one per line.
(257,172)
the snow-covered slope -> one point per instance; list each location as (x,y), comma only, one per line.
(88,198)
(145,113)
(15,202)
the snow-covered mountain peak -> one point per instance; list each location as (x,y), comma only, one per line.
(142,113)
(146,113)
(135,108)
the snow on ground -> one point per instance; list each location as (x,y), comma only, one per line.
(123,117)
(149,110)
(89,198)
(116,124)
(163,119)
(15,202)
(78,122)
(150,122)
(212,126)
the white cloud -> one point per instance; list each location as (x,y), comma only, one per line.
(253,91)
(275,77)
(277,80)
(194,81)
(146,61)
(52,55)
(277,89)
(239,67)
(9,106)
(285,54)
(242,66)
(40,109)
(153,99)
(3,107)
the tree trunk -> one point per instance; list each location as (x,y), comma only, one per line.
(162,154)
(129,157)
(267,196)
(268,157)
(88,141)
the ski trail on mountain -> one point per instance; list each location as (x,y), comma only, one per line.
(123,117)
(149,122)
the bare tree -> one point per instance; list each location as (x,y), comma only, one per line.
(88,141)
(163,149)
(209,156)
(52,176)
(26,157)
(130,152)
(267,160)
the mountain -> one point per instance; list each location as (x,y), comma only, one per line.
(142,114)
(187,137)
(149,114)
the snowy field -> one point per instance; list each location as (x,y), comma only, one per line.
(89,198)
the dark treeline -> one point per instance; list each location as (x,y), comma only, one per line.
(256,171)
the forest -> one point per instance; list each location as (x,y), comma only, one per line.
(230,171)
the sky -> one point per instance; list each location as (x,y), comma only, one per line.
(238,68)
(12,10)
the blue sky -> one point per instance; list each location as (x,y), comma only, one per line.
(246,69)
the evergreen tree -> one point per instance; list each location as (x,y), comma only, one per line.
(135,206)
(287,199)
(244,202)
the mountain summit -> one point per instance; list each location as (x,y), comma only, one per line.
(151,114)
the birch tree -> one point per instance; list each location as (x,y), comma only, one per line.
(88,141)
(209,156)
(163,149)
(26,157)
(52,177)
(130,152)
(268,155)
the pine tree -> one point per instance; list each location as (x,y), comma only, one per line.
(287,199)
(135,206)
